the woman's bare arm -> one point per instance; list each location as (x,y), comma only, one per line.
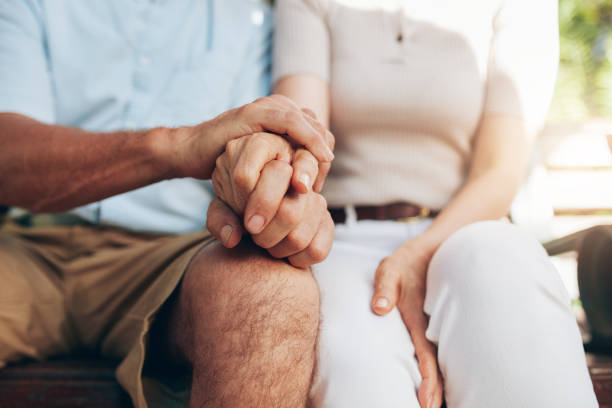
(501,151)
(308,91)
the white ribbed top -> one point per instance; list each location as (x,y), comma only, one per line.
(404,113)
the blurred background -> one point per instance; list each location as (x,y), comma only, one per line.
(584,88)
(570,184)
(569,187)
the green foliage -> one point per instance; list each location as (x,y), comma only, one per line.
(584,87)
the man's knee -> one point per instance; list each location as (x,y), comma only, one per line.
(230,289)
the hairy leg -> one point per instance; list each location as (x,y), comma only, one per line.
(247,325)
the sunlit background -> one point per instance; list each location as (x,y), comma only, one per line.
(570,183)
(584,89)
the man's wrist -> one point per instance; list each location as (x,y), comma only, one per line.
(164,144)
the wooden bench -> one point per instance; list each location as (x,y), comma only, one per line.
(68,383)
(80,382)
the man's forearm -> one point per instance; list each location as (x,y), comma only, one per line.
(48,168)
(53,168)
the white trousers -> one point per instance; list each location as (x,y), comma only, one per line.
(499,315)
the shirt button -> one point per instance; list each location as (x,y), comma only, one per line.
(144,61)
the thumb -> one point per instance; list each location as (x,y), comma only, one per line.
(223,224)
(386,288)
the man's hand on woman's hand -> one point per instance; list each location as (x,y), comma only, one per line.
(193,150)
(400,281)
(262,178)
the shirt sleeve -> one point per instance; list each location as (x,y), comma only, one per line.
(301,39)
(25,85)
(253,80)
(523,60)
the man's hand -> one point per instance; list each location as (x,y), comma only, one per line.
(64,168)
(195,148)
(400,281)
(302,231)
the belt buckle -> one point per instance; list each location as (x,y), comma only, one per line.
(423,214)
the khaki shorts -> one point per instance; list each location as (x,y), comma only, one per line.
(70,288)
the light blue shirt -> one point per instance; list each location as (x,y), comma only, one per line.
(135,64)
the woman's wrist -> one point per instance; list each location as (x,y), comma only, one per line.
(423,247)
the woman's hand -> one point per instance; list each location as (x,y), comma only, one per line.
(261,178)
(400,281)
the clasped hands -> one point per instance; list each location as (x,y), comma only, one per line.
(270,188)
(273,187)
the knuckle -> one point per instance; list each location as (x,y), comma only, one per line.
(275,253)
(232,146)
(317,252)
(217,184)
(387,274)
(219,162)
(309,112)
(279,166)
(273,114)
(241,178)
(264,204)
(293,118)
(297,240)
(319,127)
(259,137)
(331,138)
(247,110)
(299,261)
(320,201)
(288,213)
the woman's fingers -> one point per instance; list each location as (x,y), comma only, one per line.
(319,247)
(297,240)
(305,171)
(303,237)
(223,223)
(386,287)
(290,213)
(431,389)
(263,203)
(252,154)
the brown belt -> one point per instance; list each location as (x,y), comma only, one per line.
(402,212)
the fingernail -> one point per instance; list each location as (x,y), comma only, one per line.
(305,180)
(226,233)
(382,303)
(255,224)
